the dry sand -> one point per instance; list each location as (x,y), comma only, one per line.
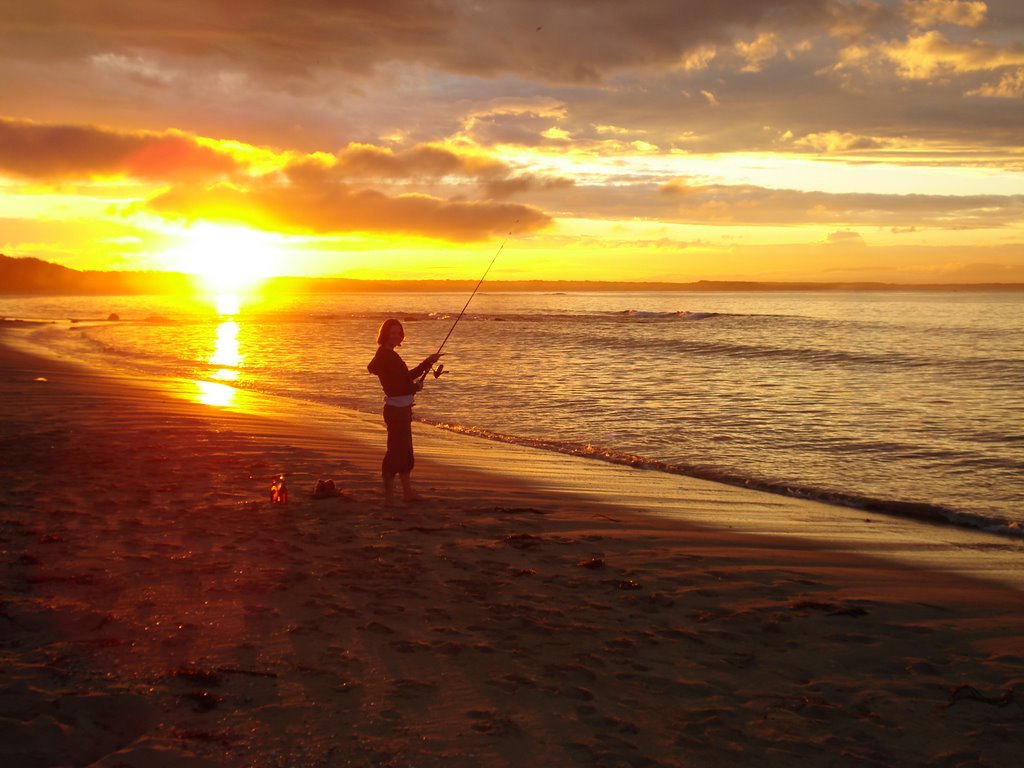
(542,610)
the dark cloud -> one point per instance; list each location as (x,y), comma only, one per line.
(61,152)
(569,40)
(515,185)
(425,167)
(374,162)
(318,73)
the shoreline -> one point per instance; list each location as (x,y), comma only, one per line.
(877,461)
(542,609)
(867,526)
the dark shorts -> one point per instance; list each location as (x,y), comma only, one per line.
(398,460)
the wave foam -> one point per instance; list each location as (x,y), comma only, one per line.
(930,513)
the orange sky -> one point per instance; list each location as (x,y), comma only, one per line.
(620,140)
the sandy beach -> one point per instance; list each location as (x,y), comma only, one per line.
(539,609)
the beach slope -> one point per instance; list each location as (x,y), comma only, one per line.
(157,610)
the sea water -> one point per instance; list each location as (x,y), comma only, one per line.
(901,402)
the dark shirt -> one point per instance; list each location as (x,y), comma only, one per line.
(395,376)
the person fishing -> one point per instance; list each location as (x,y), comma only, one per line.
(400,387)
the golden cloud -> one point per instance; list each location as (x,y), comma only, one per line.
(963,13)
(1010,86)
(925,55)
(758,51)
(311,203)
(835,142)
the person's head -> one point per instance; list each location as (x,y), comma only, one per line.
(391,333)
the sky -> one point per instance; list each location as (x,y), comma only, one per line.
(641,140)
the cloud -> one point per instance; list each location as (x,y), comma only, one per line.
(560,40)
(64,152)
(1010,86)
(925,55)
(142,70)
(699,58)
(766,47)
(833,142)
(528,123)
(845,237)
(340,208)
(317,196)
(318,75)
(424,161)
(758,51)
(927,13)
(856,19)
(748,204)
(353,190)
(428,166)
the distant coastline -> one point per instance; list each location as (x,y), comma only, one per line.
(30,276)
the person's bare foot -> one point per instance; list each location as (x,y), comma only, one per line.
(408,494)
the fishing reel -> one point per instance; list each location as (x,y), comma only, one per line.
(438,371)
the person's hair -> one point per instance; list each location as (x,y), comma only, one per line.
(385,329)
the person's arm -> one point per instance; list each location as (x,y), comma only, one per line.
(423,367)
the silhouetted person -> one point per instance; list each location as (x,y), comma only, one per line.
(400,387)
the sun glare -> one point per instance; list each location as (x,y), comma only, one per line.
(227,303)
(227,259)
(217,395)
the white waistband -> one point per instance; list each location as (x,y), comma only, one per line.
(400,401)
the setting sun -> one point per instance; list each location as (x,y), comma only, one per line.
(226,259)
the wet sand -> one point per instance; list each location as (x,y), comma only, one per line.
(157,610)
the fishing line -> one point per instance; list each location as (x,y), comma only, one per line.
(440,368)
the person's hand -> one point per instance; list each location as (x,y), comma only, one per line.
(434,357)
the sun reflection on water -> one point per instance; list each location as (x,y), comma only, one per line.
(226,353)
(212,393)
(225,350)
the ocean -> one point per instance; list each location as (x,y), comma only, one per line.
(906,403)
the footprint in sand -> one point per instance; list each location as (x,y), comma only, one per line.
(406,689)
(409,646)
(377,628)
(489,721)
(512,682)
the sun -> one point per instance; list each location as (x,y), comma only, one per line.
(226,259)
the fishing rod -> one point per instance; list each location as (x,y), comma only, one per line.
(440,368)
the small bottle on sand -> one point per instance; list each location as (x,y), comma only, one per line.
(278,491)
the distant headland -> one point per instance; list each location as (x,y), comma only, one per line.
(31,276)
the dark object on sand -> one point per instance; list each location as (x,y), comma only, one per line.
(325,489)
